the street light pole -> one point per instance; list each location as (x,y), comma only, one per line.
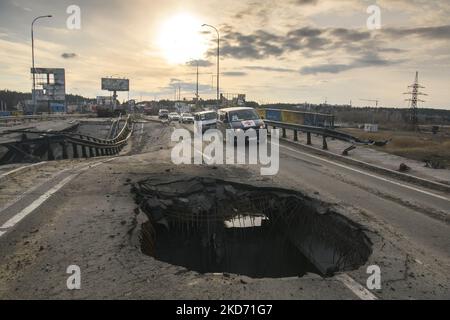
(196,92)
(218,60)
(33,94)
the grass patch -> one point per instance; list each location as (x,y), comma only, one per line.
(412,145)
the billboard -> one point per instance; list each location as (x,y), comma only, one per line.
(115,84)
(298,117)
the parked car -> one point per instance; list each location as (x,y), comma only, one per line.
(186,118)
(173,116)
(163,114)
(239,118)
(205,120)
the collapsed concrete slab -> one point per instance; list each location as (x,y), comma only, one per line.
(211,225)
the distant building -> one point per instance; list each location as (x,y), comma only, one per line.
(232,100)
(104,100)
(56,107)
(72,108)
(368,127)
(182,107)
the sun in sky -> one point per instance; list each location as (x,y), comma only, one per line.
(180,39)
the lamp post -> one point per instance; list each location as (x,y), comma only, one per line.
(218,59)
(32,58)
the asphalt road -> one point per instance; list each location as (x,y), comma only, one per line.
(403,206)
(56,214)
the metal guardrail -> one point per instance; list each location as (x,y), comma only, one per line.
(81,145)
(324,132)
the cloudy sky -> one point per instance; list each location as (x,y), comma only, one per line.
(274,51)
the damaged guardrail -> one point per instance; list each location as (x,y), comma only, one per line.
(324,132)
(68,145)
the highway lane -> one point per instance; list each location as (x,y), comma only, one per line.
(429,202)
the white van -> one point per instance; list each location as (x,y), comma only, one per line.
(205,120)
(163,114)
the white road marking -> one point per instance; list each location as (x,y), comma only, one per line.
(35,204)
(30,191)
(96,164)
(39,201)
(355,287)
(4,175)
(368,174)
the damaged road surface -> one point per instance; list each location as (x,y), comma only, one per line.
(139,227)
(210,225)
